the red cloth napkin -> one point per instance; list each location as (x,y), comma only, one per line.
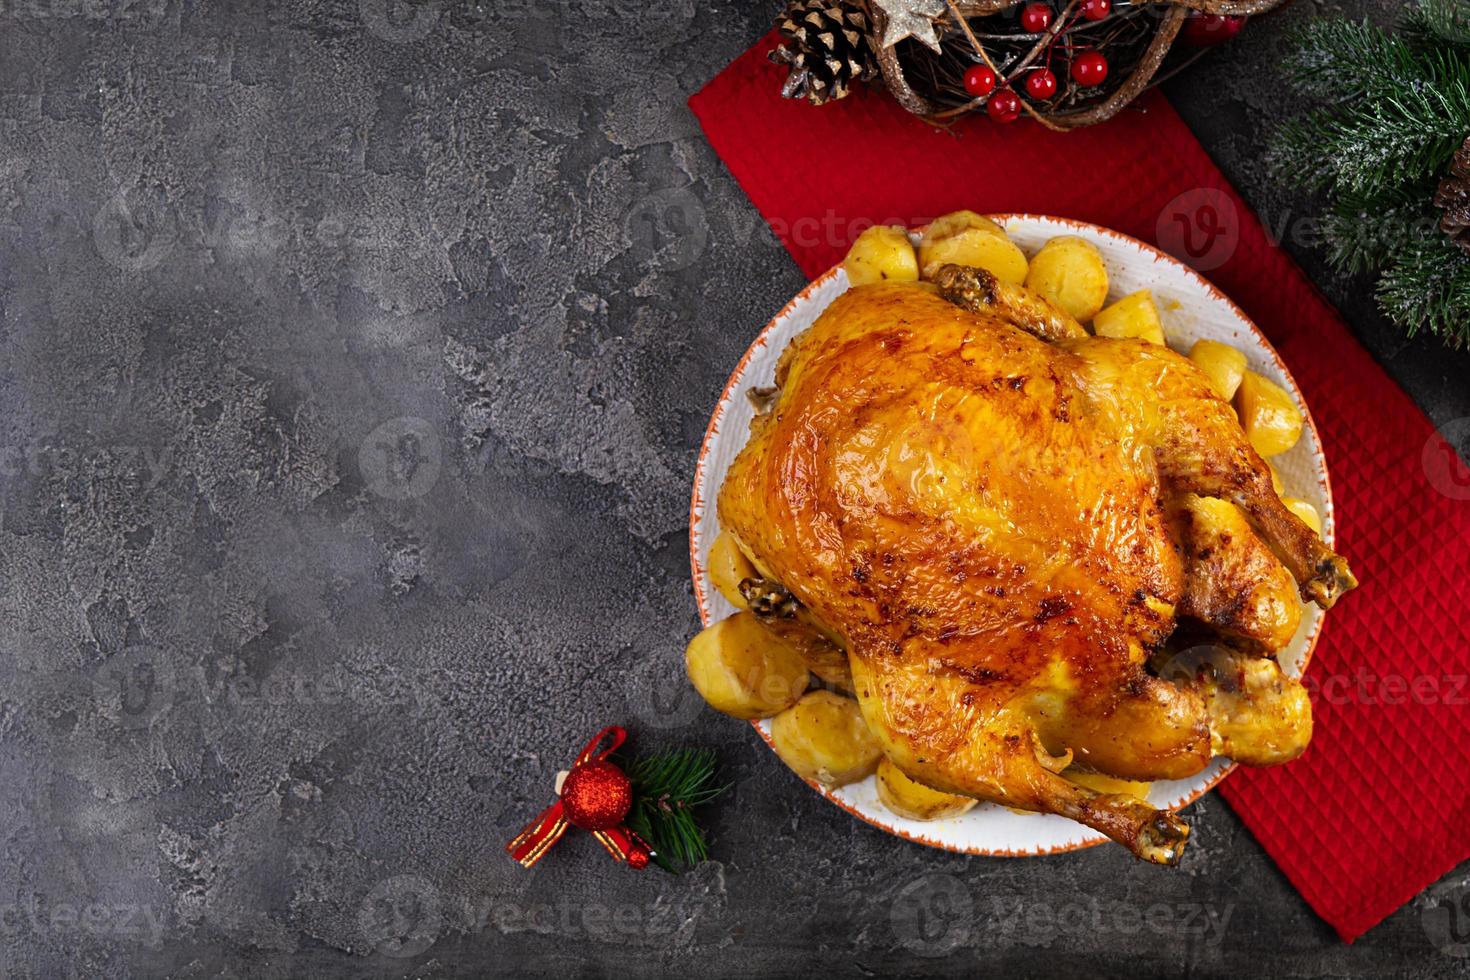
(1376,809)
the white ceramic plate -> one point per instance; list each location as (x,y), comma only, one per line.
(1191,309)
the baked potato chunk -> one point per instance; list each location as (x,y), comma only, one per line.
(1108,784)
(823,737)
(1221,363)
(1271,420)
(914,800)
(1305,511)
(740,668)
(728,567)
(947,224)
(882,253)
(980,248)
(1069,271)
(1135,315)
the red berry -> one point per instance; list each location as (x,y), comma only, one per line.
(979,81)
(1096,9)
(1035,18)
(1089,68)
(1203,30)
(1003,106)
(637,858)
(1041,84)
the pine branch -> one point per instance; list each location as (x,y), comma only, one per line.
(1362,231)
(1427,286)
(666,790)
(1371,146)
(1329,57)
(1397,108)
(1433,22)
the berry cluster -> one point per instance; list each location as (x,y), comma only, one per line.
(1087,67)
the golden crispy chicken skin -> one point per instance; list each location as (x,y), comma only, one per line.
(987,521)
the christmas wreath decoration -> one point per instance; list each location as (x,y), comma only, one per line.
(1065,63)
(1390,147)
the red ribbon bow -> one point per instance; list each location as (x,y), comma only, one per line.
(624,845)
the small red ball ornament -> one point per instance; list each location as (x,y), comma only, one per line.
(1089,68)
(1203,30)
(1096,9)
(1041,84)
(1003,106)
(1035,17)
(597,795)
(979,81)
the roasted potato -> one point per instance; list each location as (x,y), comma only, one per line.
(742,669)
(1069,271)
(1135,315)
(947,224)
(1271,420)
(823,737)
(1221,363)
(1305,511)
(980,248)
(728,567)
(1107,784)
(914,800)
(1276,483)
(881,253)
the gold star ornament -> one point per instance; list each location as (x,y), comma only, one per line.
(910,18)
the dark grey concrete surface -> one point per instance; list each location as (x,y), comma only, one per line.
(349,406)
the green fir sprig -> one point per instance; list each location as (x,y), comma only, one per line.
(1395,108)
(667,788)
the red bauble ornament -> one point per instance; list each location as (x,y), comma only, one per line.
(1089,68)
(597,795)
(1003,106)
(1035,18)
(1041,84)
(1096,9)
(979,81)
(1202,30)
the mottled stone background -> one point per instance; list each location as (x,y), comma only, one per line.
(352,374)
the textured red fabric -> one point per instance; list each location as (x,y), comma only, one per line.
(1377,807)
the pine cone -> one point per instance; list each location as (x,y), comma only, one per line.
(826,47)
(1453,198)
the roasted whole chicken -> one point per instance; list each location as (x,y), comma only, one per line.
(987,523)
